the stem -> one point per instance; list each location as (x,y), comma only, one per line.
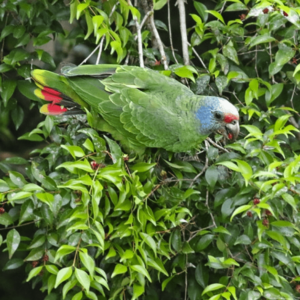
(100,50)
(184,39)
(205,166)
(159,42)
(200,59)
(87,58)
(140,44)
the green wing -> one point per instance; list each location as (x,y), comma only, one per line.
(158,109)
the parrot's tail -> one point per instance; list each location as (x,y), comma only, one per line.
(54,88)
(77,88)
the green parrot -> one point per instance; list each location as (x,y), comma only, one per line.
(139,107)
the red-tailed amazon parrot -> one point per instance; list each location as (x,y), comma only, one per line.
(139,107)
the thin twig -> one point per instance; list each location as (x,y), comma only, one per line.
(216,145)
(100,50)
(221,10)
(271,60)
(159,42)
(184,39)
(292,98)
(145,18)
(170,32)
(205,166)
(233,93)
(16,226)
(87,58)
(127,59)
(256,63)
(103,37)
(186,277)
(200,59)
(206,204)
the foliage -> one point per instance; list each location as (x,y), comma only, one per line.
(113,226)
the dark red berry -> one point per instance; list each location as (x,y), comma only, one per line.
(125,158)
(2,210)
(265,11)
(249,214)
(256,201)
(265,222)
(285,14)
(34,263)
(268,213)
(94,165)
(45,257)
(297,288)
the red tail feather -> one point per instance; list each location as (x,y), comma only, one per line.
(53,110)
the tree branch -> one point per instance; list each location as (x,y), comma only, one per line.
(159,42)
(184,39)
(140,44)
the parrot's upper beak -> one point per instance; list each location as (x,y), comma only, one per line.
(232,130)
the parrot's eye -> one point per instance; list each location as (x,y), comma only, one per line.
(218,115)
(233,122)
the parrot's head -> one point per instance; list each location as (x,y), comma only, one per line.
(218,115)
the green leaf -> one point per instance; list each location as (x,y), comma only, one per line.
(88,262)
(230,52)
(141,270)
(201,10)
(204,242)
(142,167)
(273,93)
(119,269)
(240,210)
(138,290)
(46,198)
(73,166)
(165,282)
(261,39)
(8,88)
(83,278)
(13,263)
(12,240)
(34,272)
(217,15)
(201,275)
(75,151)
(52,269)
(149,241)
(211,176)
(184,72)
(213,287)
(77,296)
(17,116)
(159,4)
(236,7)
(62,275)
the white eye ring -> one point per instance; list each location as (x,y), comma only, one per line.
(233,122)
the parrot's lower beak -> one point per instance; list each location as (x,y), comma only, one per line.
(232,130)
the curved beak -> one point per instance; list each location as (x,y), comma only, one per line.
(232,131)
